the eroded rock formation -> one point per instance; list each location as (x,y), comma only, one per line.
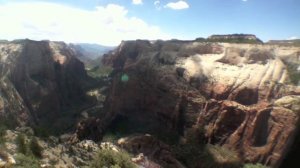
(38,80)
(259,133)
(241,94)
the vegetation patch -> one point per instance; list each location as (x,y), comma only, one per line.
(29,152)
(112,159)
(3,128)
(26,161)
(294,73)
(207,156)
(231,40)
(250,165)
(41,131)
(35,147)
(240,40)
(22,144)
(124,126)
(196,153)
(100,71)
(223,157)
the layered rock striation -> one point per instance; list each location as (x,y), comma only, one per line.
(240,94)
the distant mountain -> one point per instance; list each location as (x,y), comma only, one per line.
(91,51)
(285,42)
(232,38)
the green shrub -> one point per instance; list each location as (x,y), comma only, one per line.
(250,165)
(41,131)
(223,157)
(100,71)
(35,147)
(110,137)
(207,156)
(28,152)
(2,133)
(21,144)
(112,159)
(188,154)
(294,74)
(195,135)
(26,161)
(231,40)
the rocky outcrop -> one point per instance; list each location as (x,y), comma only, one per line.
(243,73)
(162,94)
(89,128)
(150,147)
(260,133)
(39,80)
(234,91)
(54,153)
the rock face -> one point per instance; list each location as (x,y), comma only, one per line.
(240,94)
(259,133)
(38,80)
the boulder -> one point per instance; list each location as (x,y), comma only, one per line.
(6,160)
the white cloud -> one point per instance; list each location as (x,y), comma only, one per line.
(177,5)
(244,0)
(293,38)
(106,25)
(137,2)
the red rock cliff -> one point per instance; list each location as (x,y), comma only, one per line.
(239,93)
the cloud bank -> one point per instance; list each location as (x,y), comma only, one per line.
(106,25)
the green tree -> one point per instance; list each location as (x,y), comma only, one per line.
(35,147)
(21,144)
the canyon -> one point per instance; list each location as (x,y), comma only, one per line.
(235,103)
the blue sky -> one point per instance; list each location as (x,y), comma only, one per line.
(110,21)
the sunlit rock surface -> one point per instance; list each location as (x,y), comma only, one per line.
(243,95)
